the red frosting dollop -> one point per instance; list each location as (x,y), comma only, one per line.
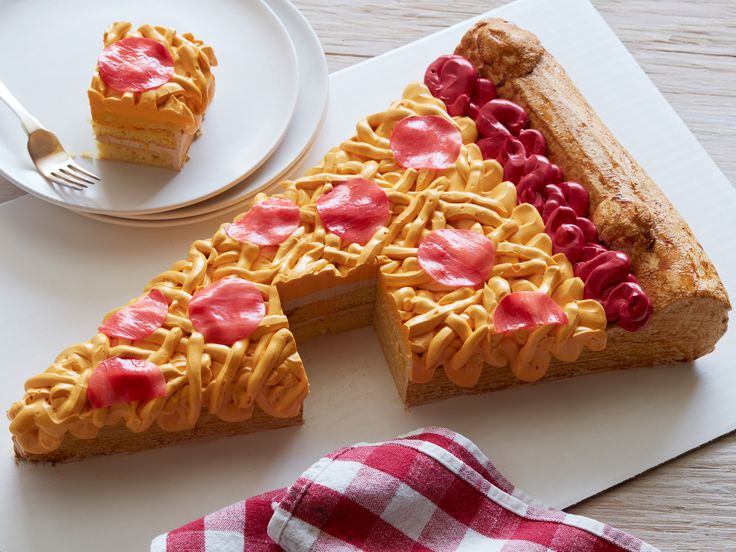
(455,81)
(564,206)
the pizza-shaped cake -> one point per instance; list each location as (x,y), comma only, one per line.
(487,223)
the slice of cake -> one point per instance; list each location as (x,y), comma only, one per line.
(149,93)
(447,223)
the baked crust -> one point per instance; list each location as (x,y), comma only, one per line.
(115,439)
(631,213)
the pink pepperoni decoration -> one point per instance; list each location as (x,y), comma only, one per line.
(139,319)
(227,311)
(135,64)
(427,142)
(267,223)
(354,210)
(457,258)
(526,310)
(123,380)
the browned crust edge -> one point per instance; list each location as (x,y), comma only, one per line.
(632,214)
(115,439)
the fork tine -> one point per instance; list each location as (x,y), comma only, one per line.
(56,180)
(68,170)
(79,168)
(68,179)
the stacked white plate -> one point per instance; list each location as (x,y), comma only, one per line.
(272,87)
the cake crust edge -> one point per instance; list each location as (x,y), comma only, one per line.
(630,211)
(116,439)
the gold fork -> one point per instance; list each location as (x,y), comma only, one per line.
(49,156)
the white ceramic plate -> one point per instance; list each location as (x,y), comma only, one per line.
(49,60)
(310,107)
(224,214)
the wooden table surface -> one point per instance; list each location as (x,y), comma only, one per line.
(689,50)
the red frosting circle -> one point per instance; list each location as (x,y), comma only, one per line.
(227,311)
(135,64)
(118,380)
(525,310)
(267,223)
(426,142)
(139,319)
(457,258)
(354,210)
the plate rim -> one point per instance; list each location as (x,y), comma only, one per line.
(123,213)
(287,168)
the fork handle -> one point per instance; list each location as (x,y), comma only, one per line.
(29,122)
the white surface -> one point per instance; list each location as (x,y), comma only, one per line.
(55,47)
(560,441)
(310,109)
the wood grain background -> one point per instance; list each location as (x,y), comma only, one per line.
(689,50)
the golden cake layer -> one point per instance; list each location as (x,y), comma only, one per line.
(154,127)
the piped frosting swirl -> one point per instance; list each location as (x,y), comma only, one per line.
(182,101)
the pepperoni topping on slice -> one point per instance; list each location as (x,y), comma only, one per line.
(122,380)
(227,311)
(457,258)
(525,310)
(135,64)
(428,142)
(139,319)
(354,210)
(267,223)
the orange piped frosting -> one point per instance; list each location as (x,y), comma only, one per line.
(445,328)
(181,102)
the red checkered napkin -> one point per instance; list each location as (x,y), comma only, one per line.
(430,490)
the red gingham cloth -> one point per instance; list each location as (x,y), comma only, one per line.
(431,490)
